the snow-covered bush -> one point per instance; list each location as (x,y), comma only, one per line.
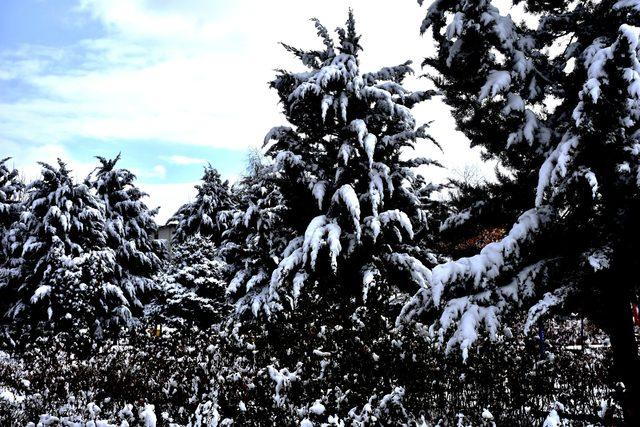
(175,372)
(188,377)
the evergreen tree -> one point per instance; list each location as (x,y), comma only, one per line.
(258,232)
(192,288)
(494,81)
(11,191)
(130,230)
(574,249)
(207,214)
(343,186)
(11,207)
(337,209)
(55,247)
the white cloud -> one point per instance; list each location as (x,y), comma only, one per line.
(192,72)
(168,197)
(157,19)
(184,160)
(195,72)
(26,158)
(159,171)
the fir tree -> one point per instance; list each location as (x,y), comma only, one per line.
(61,230)
(258,233)
(130,230)
(11,207)
(493,105)
(344,188)
(207,214)
(339,210)
(11,191)
(574,248)
(193,288)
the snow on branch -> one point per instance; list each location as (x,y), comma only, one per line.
(321,232)
(347,195)
(278,132)
(555,166)
(546,304)
(283,379)
(622,4)
(460,218)
(395,74)
(468,315)
(477,272)
(42,292)
(497,81)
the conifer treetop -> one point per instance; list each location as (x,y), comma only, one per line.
(340,174)
(206,215)
(11,191)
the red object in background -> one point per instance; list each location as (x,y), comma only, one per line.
(636,314)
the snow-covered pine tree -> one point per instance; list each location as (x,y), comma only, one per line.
(349,207)
(55,248)
(196,267)
(474,36)
(11,191)
(258,233)
(11,206)
(207,214)
(346,191)
(192,288)
(562,98)
(130,230)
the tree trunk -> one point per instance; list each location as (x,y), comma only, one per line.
(626,363)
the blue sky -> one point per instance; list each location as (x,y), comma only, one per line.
(77,80)
(53,40)
(52,23)
(173,84)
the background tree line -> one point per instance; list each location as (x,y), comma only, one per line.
(329,285)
